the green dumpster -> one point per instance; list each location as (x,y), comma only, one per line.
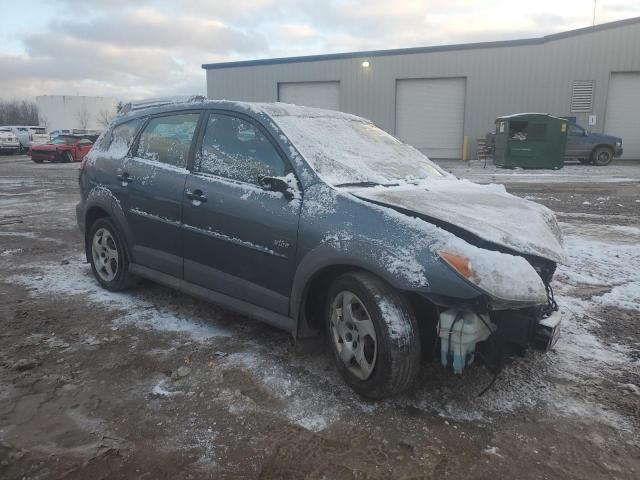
(530,140)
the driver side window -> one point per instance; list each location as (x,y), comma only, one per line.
(236,149)
(575,130)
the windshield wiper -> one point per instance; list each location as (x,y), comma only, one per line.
(365,184)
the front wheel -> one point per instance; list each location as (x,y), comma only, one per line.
(602,156)
(109,261)
(373,334)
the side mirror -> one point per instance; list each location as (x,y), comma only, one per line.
(277,184)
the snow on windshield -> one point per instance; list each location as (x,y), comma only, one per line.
(351,150)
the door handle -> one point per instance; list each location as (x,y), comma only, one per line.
(124,177)
(196,196)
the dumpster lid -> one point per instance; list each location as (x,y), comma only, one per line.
(530,114)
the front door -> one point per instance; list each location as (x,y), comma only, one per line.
(578,143)
(239,239)
(154,177)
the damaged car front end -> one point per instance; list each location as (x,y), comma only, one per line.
(482,258)
(505,247)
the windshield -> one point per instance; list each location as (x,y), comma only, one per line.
(348,151)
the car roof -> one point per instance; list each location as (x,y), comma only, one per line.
(274,109)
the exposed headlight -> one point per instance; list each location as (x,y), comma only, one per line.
(505,277)
(459,263)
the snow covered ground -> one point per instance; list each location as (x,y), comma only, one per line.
(154,381)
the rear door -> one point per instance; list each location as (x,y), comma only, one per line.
(239,239)
(154,177)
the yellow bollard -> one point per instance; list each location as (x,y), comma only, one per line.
(465,148)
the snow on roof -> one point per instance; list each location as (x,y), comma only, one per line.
(279,109)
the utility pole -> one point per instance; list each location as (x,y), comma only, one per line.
(594,12)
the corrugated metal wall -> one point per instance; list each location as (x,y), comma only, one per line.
(500,80)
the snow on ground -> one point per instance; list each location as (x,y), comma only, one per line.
(76,278)
(314,397)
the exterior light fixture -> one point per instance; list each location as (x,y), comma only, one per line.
(365,64)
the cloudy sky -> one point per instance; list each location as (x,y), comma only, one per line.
(141,48)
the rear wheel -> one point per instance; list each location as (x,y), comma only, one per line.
(109,260)
(373,335)
(602,156)
(37,160)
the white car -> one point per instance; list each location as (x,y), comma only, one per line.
(29,135)
(8,141)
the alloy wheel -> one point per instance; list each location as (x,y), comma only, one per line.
(353,334)
(604,157)
(104,252)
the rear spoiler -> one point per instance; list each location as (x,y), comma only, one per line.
(158,102)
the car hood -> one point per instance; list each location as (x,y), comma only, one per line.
(486,211)
(603,138)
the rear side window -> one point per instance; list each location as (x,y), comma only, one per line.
(236,149)
(168,139)
(120,138)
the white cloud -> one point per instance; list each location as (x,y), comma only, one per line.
(155,47)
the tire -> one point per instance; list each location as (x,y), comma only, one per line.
(108,257)
(585,161)
(602,156)
(36,160)
(391,360)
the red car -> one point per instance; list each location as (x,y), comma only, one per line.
(64,148)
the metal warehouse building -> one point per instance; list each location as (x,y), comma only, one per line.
(432,97)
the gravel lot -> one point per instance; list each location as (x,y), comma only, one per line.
(154,384)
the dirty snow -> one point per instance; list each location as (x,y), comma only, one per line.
(76,278)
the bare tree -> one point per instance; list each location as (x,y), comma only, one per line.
(43,121)
(83,117)
(15,112)
(104,117)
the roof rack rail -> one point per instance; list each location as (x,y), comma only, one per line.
(159,102)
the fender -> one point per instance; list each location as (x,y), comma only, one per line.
(101,196)
(355,253)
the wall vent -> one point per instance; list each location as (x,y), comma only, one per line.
(582,96)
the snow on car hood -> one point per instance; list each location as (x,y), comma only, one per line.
(486,211)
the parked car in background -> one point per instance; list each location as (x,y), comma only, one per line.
(56,133)
(29,135)
(315,220)
(592,148)
(63,148)
(8,141)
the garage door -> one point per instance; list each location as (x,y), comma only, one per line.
(311,94)
(623,112)
(430,115)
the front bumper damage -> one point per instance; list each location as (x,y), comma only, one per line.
(494,335)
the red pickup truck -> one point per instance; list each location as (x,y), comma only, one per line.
(64,148)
